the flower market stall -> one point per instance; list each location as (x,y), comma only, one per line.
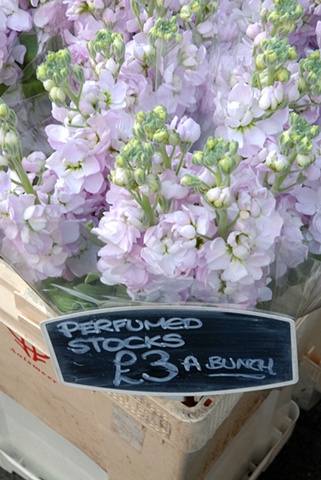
(161,155)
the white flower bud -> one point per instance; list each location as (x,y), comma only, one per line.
(112,66)
(188,130)
(190,181)
(4,161)
(271,96)
(49,84)
(58,96)
(219,197)
(11,139)
(276,162)
(206,29)
(151,186)
(2,135)
(140,176)
(4,111)
(153,183)
(121,177)
(186,13)
(304,160)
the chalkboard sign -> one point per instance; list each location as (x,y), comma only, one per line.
(159,350)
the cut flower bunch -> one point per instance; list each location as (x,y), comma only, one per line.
(184,160)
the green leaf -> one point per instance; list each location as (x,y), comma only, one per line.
(91,277)
(79,296)
(3,89)
(30,41)
(32,87)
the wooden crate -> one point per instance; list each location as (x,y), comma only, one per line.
(141,438)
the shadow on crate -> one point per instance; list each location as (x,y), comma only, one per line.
(300,458)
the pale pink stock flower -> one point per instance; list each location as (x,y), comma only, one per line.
(318,33)
(188,129)
(163,289)
(112,95)
(49,14)
(209,287)
(309,204)
(206,29)
(13,20)
(170,246)
(117,235)
(34,162)
(120,227)
(85,261)
(17,19)
(129,270)
(170,186)
(41,237)
(238,257)
(89,99)
(244,122)
(291,246)
(271,97)
(79,170)
(220,241)
(257,210)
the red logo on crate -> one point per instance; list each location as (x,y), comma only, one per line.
(30,351)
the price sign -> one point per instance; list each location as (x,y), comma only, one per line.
(160,350)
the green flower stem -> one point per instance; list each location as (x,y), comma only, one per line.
(141,26)
(255,80)
(198,18)
(25,182)
(205,185)
(74,98)
(265,180)
(167,159)
(180,163)
(231,225)
(160,54)
(276,187)
(156,201)
(271,74)
(136,197)
(298,182)
(148,210)
(172,155)
(144,202)
(223,227)
(274,31)
(218,177)
(151,9)
(81,86)
(204,237)
(304,106)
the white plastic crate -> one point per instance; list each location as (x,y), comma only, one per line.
(131,437)
(307,392)
(280,435)
(34,451)
(260,440)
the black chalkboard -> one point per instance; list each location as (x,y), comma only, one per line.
(159,350)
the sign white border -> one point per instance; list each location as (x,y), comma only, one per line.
(180,308)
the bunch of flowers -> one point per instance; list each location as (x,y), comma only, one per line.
(21,21)
(185,159)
